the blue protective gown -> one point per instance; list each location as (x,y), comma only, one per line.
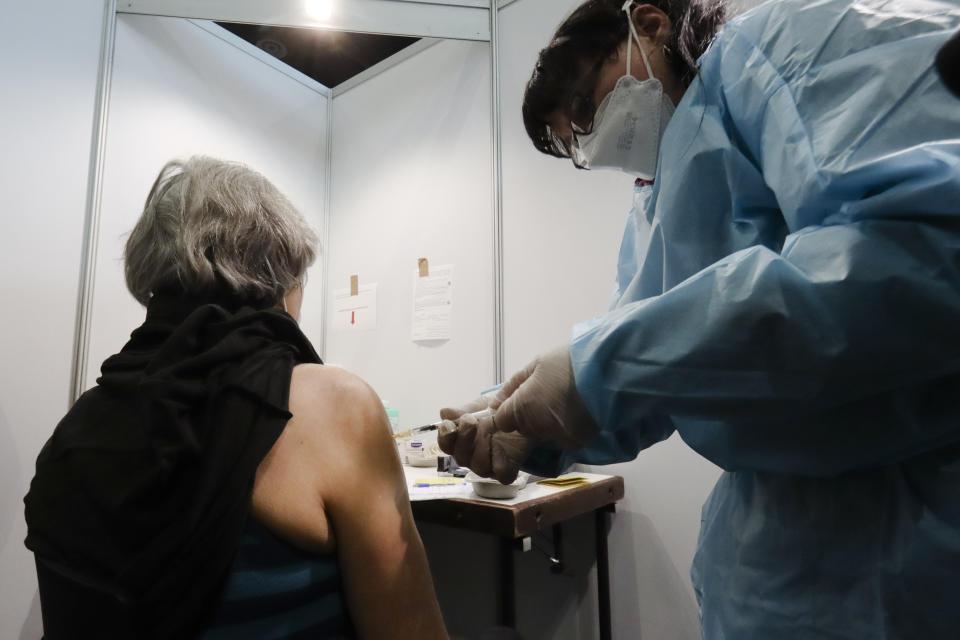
(788,300)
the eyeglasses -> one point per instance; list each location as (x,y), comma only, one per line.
(582,109)
(569,147)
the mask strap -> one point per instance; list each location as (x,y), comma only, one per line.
(634,36)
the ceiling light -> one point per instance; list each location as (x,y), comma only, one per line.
(319,9)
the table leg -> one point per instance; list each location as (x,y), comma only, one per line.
(603,574)
(508,611)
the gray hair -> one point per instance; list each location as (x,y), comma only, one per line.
(209,223)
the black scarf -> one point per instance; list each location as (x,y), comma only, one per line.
(143,491)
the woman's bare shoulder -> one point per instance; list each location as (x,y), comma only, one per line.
(313,378)
(337,406)
(331,392)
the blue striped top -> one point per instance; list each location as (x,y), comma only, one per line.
(278,592)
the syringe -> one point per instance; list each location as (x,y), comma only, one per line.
(432,427)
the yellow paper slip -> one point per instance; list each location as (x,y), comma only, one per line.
(564,483)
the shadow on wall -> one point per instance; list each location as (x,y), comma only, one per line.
(649,597)
(11,500)
(465,567)
(33,625)
(559,606)
(11,512)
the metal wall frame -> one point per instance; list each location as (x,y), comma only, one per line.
(455,19)
(325,232)
(452,19)
(498,315)
(91,222)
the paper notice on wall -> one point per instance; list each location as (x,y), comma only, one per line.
(433,303)
(355,313)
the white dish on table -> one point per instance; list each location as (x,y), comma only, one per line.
(490,488)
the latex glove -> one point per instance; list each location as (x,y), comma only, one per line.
(478,445)
(540,403)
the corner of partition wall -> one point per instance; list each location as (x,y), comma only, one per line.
(91,223)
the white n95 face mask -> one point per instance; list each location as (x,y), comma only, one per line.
(629,122)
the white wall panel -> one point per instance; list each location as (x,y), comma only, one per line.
(179,91)
(48,62)
(411,179)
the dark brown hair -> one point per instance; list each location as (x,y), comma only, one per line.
(592,34)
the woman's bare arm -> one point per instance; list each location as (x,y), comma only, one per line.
(334,480)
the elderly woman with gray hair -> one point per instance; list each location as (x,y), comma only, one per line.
(206,486)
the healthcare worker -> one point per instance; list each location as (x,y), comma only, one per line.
(788,300)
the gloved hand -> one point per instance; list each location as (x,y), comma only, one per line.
(538,403)
(476,444)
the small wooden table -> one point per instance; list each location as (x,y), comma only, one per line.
(515,523)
